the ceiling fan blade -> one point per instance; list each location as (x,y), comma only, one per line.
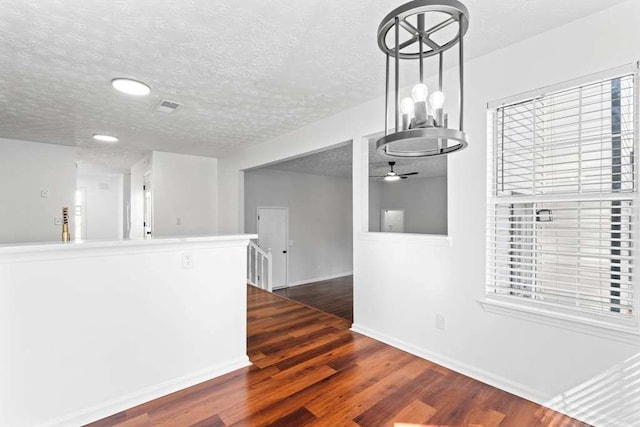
(376,176)
(404,177)
(410,173)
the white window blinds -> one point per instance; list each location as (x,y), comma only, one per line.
(562,199)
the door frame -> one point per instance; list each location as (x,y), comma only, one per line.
(147,181)
(286,258)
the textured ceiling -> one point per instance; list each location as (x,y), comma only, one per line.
(243,72)
(336,161)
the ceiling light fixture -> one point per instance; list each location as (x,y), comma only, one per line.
(421,129)
(104,138)
(130,86)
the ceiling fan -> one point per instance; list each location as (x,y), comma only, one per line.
(392,176)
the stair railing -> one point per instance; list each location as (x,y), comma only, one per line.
(259,266)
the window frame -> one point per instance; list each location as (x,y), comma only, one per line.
(627,330)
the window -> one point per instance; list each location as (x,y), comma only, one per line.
(562,203)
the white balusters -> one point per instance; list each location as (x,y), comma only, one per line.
(259,267)
(255,269)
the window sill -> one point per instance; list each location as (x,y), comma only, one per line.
(429,239)
(611,331)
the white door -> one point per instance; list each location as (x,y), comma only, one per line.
(101,206)
(392,220)
(273,232)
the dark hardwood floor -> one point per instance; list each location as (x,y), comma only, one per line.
(333,296)
(310,369)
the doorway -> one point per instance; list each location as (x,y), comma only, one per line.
(316,189)
(99,204)
(273,234)
(148,206)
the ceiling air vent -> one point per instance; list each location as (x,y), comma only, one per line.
(166,106)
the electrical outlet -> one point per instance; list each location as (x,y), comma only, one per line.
(179,221)
(441,321)
(44,193)
(57,220)
(187,261)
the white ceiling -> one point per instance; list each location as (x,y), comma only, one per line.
(335,161)
(243,71)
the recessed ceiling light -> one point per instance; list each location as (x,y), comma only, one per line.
(104,138)
(130,86)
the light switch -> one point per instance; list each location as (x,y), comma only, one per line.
(179,221)
(44,193)
(57,220)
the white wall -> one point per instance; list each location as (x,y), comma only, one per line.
(320,220)
(89,330)
(184,190)
(103,206)
(27,168)
(138,171)
(402,281)
(375,205)
(423,199)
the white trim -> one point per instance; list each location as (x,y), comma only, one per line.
(75,250)
(286,258)
(602,329)
(319,279)
(455,365)
(629,68)
(429,239)
(111,407)
(554,402)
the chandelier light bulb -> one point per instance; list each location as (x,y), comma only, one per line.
(420,92)
(436,100)
(406,106)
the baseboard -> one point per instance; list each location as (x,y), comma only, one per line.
(479,374)
(94,413)
(320,279)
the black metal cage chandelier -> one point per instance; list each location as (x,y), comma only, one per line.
(419,30)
